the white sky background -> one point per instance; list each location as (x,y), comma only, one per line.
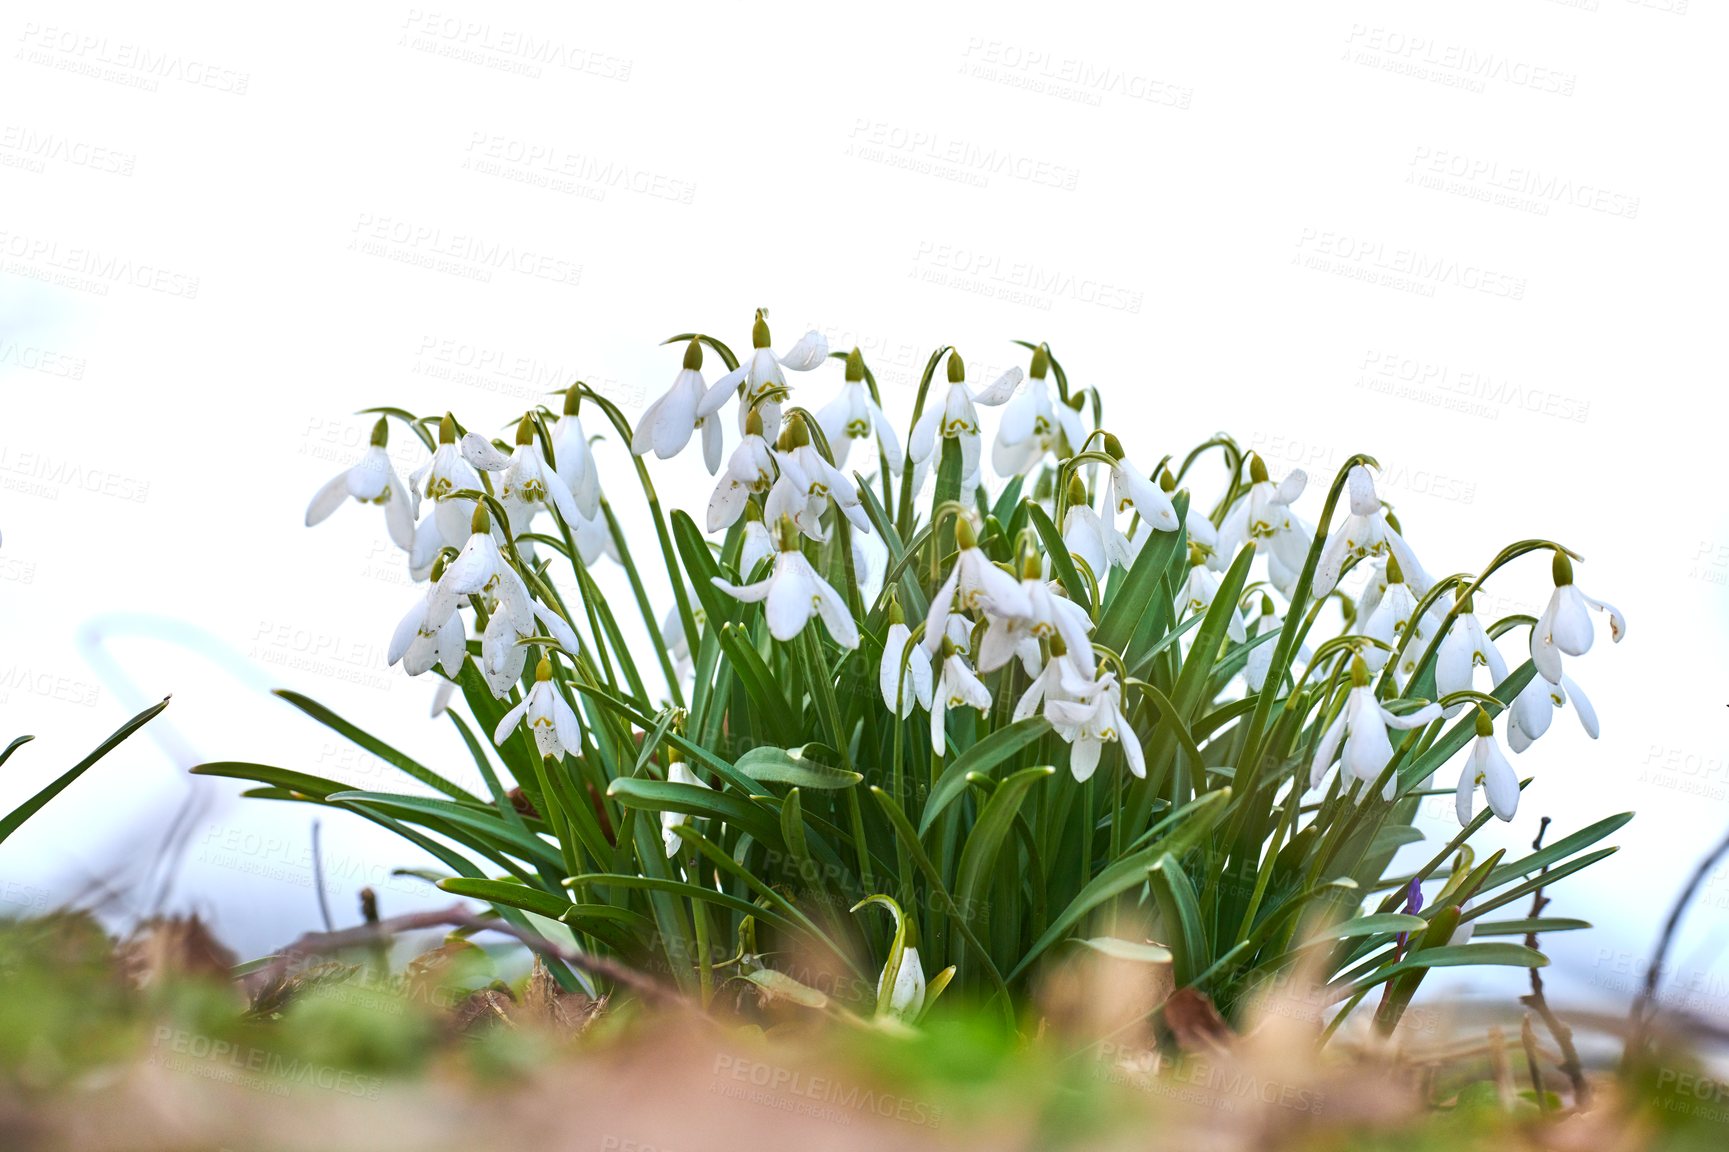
(1193,196)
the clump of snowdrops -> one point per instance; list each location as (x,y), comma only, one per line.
(908,726)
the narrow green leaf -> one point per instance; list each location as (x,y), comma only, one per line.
(15,819)
(980,759)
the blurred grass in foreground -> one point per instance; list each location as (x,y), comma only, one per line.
(150,1043)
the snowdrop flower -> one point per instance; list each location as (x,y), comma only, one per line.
(956,687)
(1033,427)
(794,593)
(1068,668)
(1203,536)
(420,646)
(908,998)
(757,545)
(1534,707)
(1051,614)
(1133,492)
(958,418)
(481,569)
(441,697)
(854,415)
(574,458)
(1091,538)
(666,425)
(1391,616)
(1489,769)
(529,483)
(974,584)
(808,483)
(1367,531)
(1096,719)
(551,721)
(1464,649)
(1198,594)
(371,481)
(1261,655)
(678,772)
(1565,625)
(900,690)
(1264,518)
(672,632)
(1362,726)
(437,479)
(764,382)
(750,470)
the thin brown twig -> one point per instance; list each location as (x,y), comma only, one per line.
(1537,1002)
(458,916)
(1639,1018)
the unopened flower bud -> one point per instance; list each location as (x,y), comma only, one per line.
(1041,362)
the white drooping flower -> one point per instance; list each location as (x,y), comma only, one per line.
(1362,726)
(1264,518)
(1095,540)
(761,375)
(1051,614)
(1033,427)
(666,425)
(1487,768)
(957,419)
(371,481)
(1198,596)
(1565,625)
(1133,492)
(1260,660)
(1093,719)
(437,480)
(481,570)
(551,721)
(793,593)
(574,458)
(808,484)
(756,546)
(908,998)
(905,672)
(678,772)
(1465,648)
(420,646)
(528,484)
(1056,685)
(1534,708)
(1367,531)
(957,687)
(1392,617)
(749,471)
(1203,537)
(855,415)
(974,584)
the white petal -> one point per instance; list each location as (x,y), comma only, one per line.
(565,725)
(327,500)
(406,630)
(1569,621)
(1463,794)
(509,722)
(810,351)
(836,616)
(745,593)
(1581,704)
(1500,785)
(1324,752)
(721,391)
(480,452)
(1361,487)
(1617,622)
(791,596)
(1084,758)
(1001,390)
